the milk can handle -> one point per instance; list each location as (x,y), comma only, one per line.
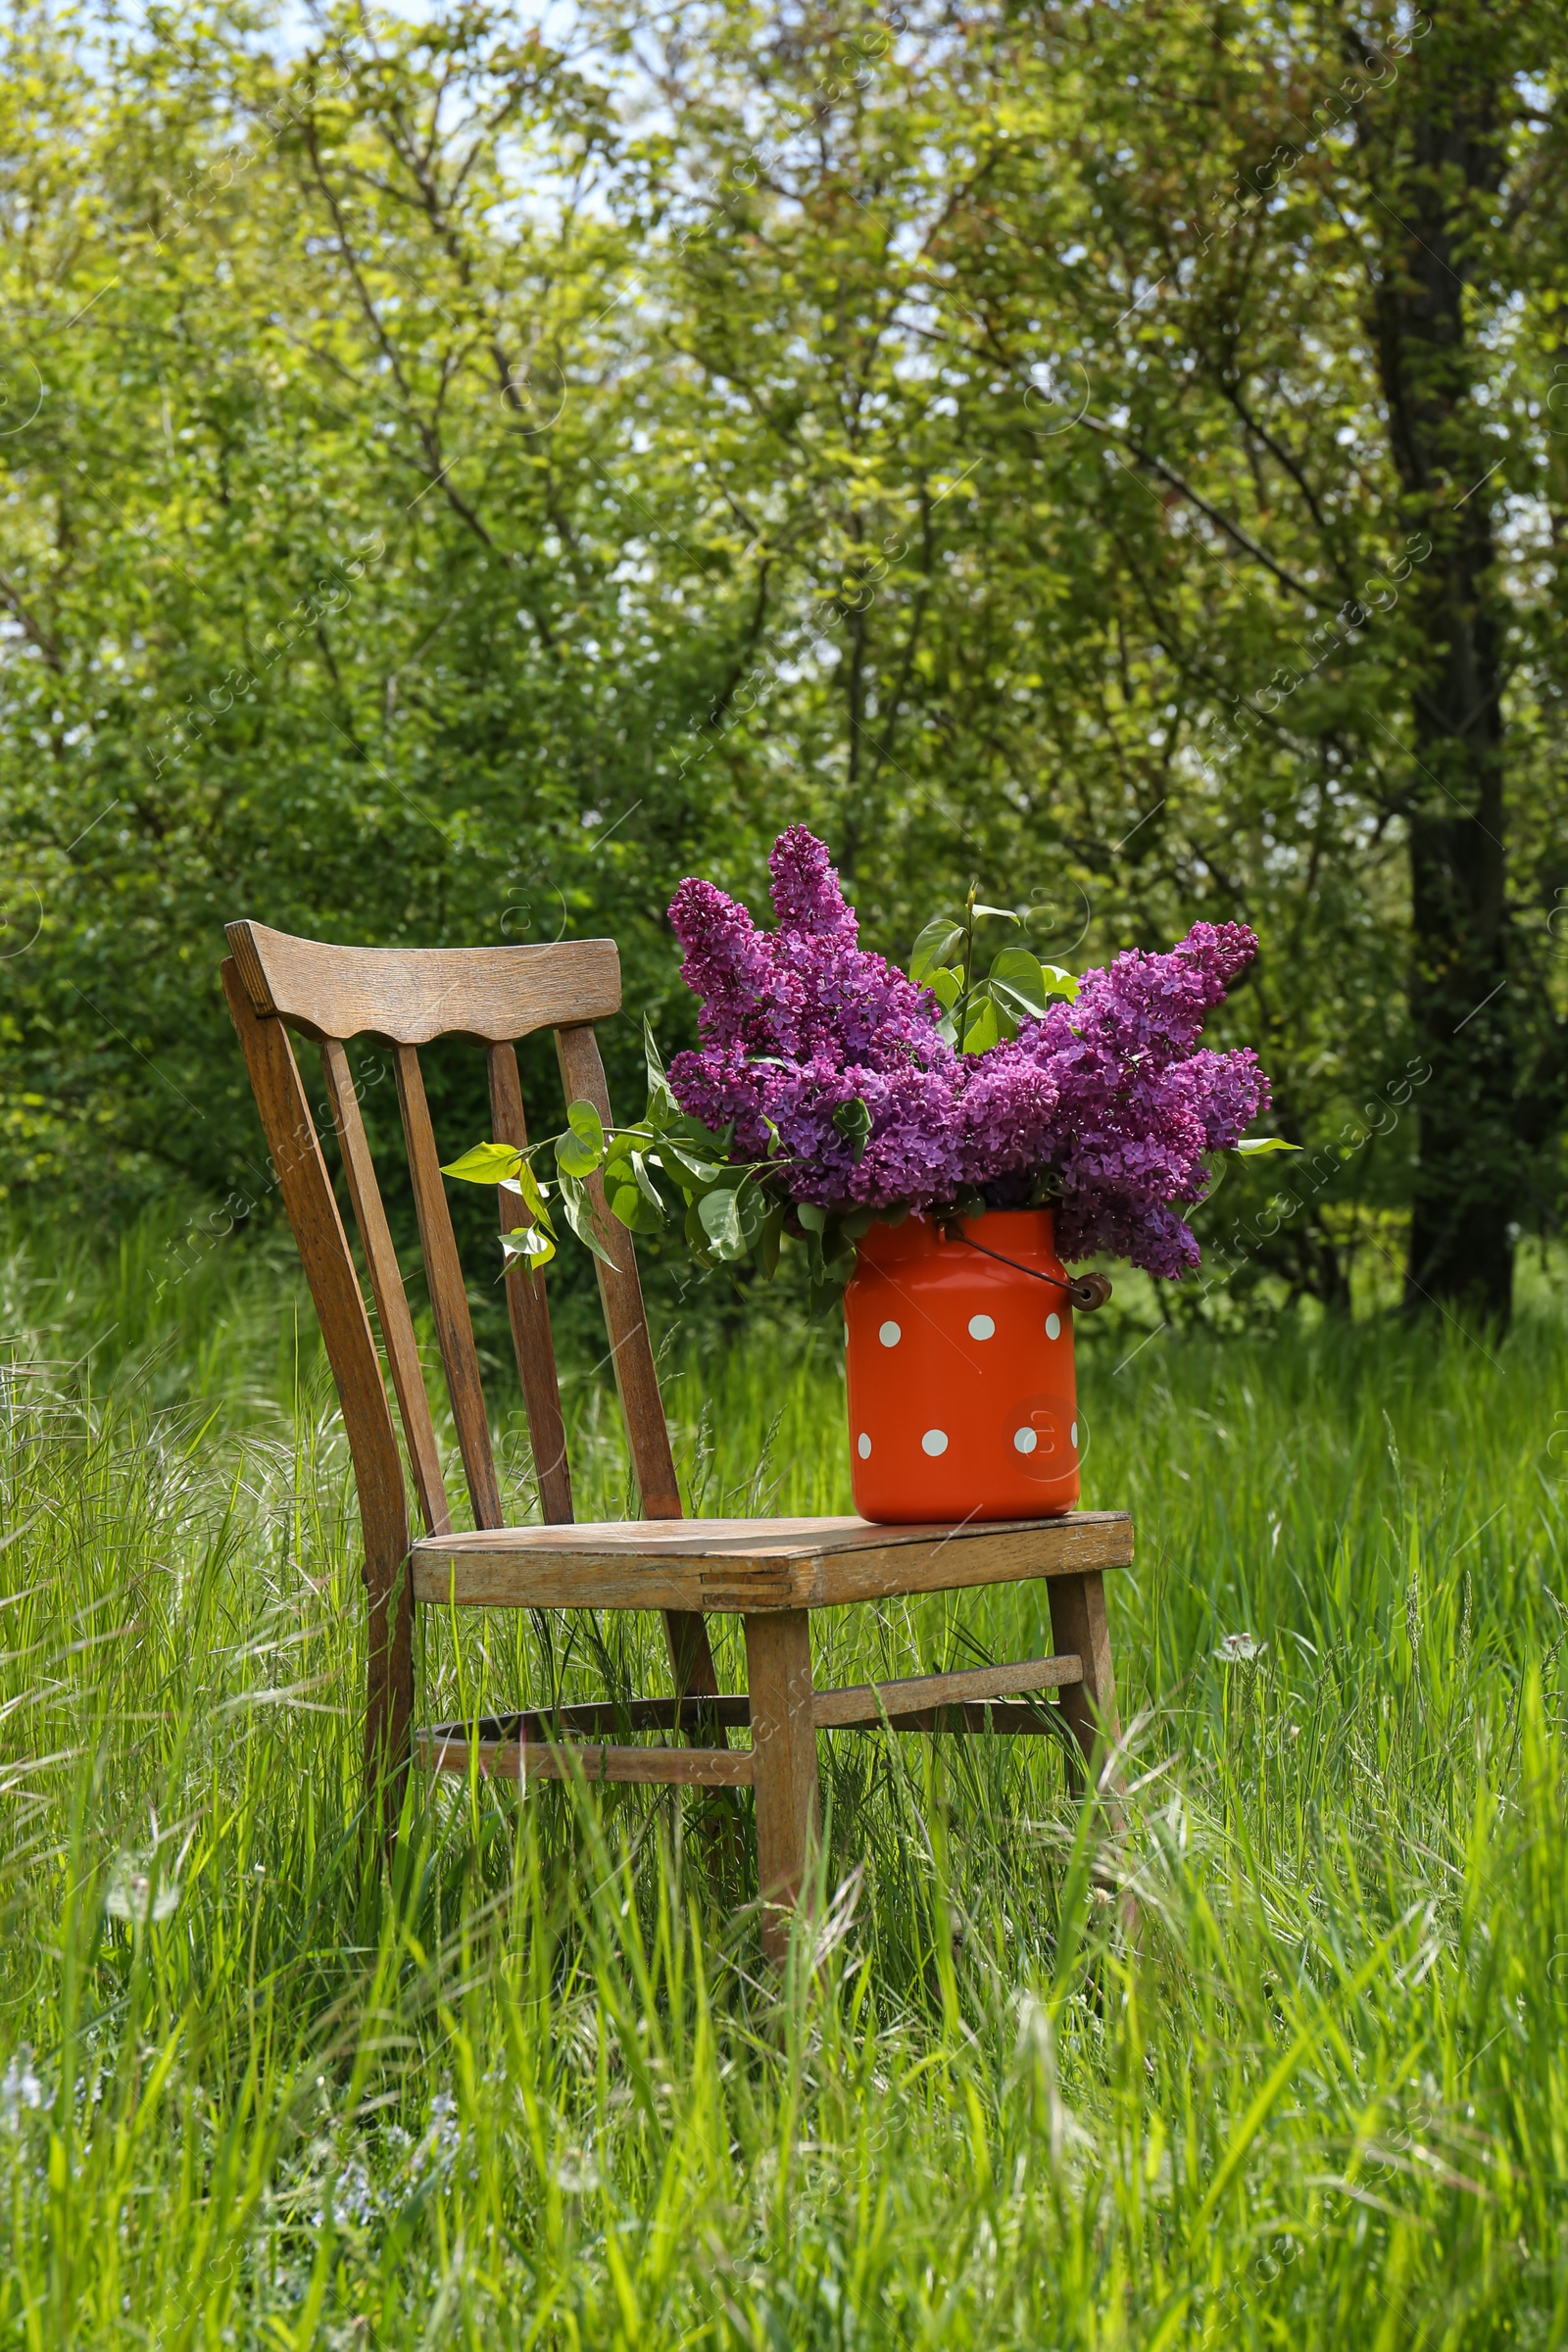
(1086,1292)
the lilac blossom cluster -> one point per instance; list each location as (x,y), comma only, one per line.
(1106,1106)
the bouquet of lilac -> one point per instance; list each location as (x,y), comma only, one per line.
(829,1090)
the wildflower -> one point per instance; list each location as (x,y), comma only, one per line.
(137,1893)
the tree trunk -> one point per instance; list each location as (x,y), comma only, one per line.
(1468,1174)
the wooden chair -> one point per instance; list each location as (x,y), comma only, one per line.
(771,1572)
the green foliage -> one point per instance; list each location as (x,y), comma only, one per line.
(536,2087)
(459,480)
(1019,987)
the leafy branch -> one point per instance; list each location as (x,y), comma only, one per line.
(1019,987)
(663,1168)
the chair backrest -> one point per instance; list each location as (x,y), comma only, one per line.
(407,998)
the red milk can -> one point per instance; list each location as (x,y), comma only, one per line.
(962,1401)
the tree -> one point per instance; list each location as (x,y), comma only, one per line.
(1057,444)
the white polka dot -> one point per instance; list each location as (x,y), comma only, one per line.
(1072,1435)
(935,1441)
(890,1334)
(862,1446)
(981,1327)
(1025,1440)
(1052,1327)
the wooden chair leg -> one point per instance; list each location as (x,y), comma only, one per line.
(389,1690)
(1078,1623)
(778,1677)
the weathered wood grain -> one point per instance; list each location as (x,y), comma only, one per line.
(621,1292)
(642,1409)
(387,1282)
(527,1760)
(1078,1621)
(601,1718)
(324,1248)
(528,1309)
(778,1680)
(411,995)
(449,1299)
(750,1566)
(866,1703)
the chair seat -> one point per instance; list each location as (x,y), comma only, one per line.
(753,1565)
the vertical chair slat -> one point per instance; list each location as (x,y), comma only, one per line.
(324,1248)
(529,1309)
(449,1299)
(582,1074)
(386,1280)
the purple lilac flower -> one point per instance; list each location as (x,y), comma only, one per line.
(799,1022)
(1107,1106)
(1137,1107)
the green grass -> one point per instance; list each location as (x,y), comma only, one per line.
(537,2089)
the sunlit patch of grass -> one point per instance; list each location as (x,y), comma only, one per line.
(534,2086)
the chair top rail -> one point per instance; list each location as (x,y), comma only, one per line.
(411,995)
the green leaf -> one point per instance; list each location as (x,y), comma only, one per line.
(684,1167)
(1019,983)
(487,1163)
(578,1211)
(630,1194)
(573,1157)
(645,1183)
(812,1218)
(941,938)
(585,1124)
(581,1149)
(628,1205)
(696,1235)
(1060,983)
(704,1141)
(721,1219)
(653,1058)
(662,1103)
(1255,1143)
(838,1251)
(1008,914)
(947,987)
(982,1030)
(853,1121)
(767,1246)
(529,1243)
(526,1184)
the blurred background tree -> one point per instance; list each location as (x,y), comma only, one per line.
(457,480)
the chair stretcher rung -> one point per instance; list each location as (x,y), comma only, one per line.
(537,1743)
(866,1703)
(603,1717)
(550,1760)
